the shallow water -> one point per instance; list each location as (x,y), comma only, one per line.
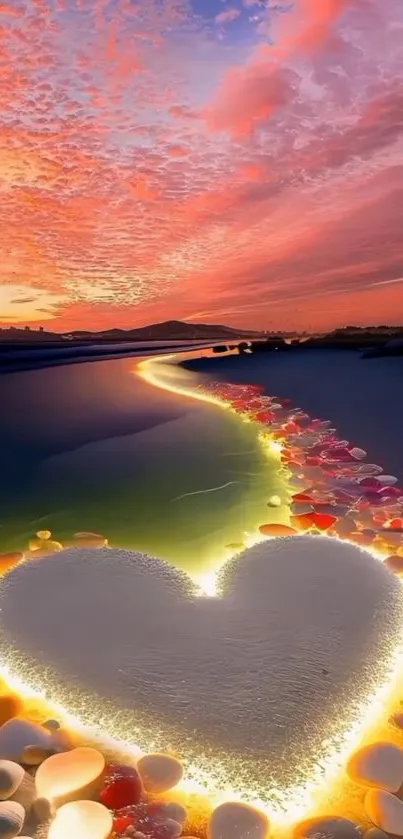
(363,398)
(92,447)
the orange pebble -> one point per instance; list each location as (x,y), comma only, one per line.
(302,522)
(361,538)
(10,706)
(277,530)
(10,559)
(394,563)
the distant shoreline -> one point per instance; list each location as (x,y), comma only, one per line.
(39,358)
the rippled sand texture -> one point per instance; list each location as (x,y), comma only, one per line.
(247,685)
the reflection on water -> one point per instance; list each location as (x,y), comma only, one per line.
(92,447)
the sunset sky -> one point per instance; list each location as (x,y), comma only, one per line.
(227,161)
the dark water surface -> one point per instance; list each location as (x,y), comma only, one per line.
(92,447)
(363,398)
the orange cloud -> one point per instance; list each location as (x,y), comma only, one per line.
(141,168)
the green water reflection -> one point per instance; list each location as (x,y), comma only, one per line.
(92,447)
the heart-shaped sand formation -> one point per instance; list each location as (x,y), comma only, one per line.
(252,687)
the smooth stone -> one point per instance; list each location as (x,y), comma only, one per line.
(44,546)
(300,509)
(176,812)
(274,501)
(385,811)
(11,775)
(51,725)
(10,706)
(43,534)
(358,453)
(375,833)
(344,527)
(71,775)
(172,829)
(159,773)
(237,821)
(25,794)
(387,480)
(394,563)
(377,765)
(12,817)
(330,827)
(43,810)
(81,820)
(90,540)
(17,734)
(34,755)
(61,740)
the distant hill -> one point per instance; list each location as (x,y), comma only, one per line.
(173,330)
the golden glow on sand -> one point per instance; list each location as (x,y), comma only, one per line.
(296,803)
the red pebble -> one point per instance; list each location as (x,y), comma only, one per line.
(121,791)
(264,416)
(302,496)
(302,522)
(395,524)
(321,520)
(371,483)
(121,823)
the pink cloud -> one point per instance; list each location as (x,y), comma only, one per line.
(227,16)
(249,95)
(136,160)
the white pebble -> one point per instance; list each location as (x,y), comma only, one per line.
(17,734)
(12,817)
(377,765)
(11,775)
(26,792)
(387,480)
(385,811)
(173,829)
(274,501)
(159,773)
(175,811)
(327,827)
(81,820)
(237,821)
(70,775)
(357,453)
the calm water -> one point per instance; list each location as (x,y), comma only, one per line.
(92,447)
(362,397)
